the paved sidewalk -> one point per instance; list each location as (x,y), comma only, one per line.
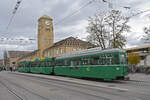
(140,77)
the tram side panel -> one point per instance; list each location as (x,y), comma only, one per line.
(85,67)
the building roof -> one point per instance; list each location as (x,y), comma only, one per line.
(72,42)
(139,47)
(15,54)
(46,16)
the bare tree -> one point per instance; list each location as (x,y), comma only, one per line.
(97,30)
(106,30)
(146,36)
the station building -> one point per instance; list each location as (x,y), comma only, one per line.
(10,57)
(46,46)
(144,52)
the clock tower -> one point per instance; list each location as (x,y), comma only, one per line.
(45,33)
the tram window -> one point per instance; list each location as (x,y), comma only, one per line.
(48,64)
(65,63)
(109,60)
(35,65)
(106,60)
(22,65)
(85,61)
(116,59)
(78,62)
(95,60)
(41,64)
(103,60)
(44,64)
(71,63)
(75,62)
(32,65)
(60,63)
(38,64)
(122,59)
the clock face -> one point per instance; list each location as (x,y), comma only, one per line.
(47,22)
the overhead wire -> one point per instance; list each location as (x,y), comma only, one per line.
(19,2)
(6,37)
(14,12)
(66,17)
(75,12)
(11,19)
(60,21)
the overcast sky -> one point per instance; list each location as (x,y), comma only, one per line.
(24,23)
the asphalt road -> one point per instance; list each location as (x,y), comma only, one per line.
(15,86)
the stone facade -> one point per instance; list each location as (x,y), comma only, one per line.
(45,33)
(29,56)
(67,45)
(11,57)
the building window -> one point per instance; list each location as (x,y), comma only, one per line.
(57,52)
(47,30)
(61,51)
(79,49)
(74,49)
(47,54)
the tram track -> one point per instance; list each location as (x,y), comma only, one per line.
(71,82)
(62,84)
(22,88)
(92,91)
(11,91)
(27,90)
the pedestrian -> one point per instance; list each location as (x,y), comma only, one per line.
(11,69)
(14,68)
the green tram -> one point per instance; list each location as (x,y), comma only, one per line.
(24,66)
(42,66)
(109,64)
(38,67)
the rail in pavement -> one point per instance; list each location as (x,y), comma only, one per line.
(73,80)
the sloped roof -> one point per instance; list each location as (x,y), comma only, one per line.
(72,42)
(14,54)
